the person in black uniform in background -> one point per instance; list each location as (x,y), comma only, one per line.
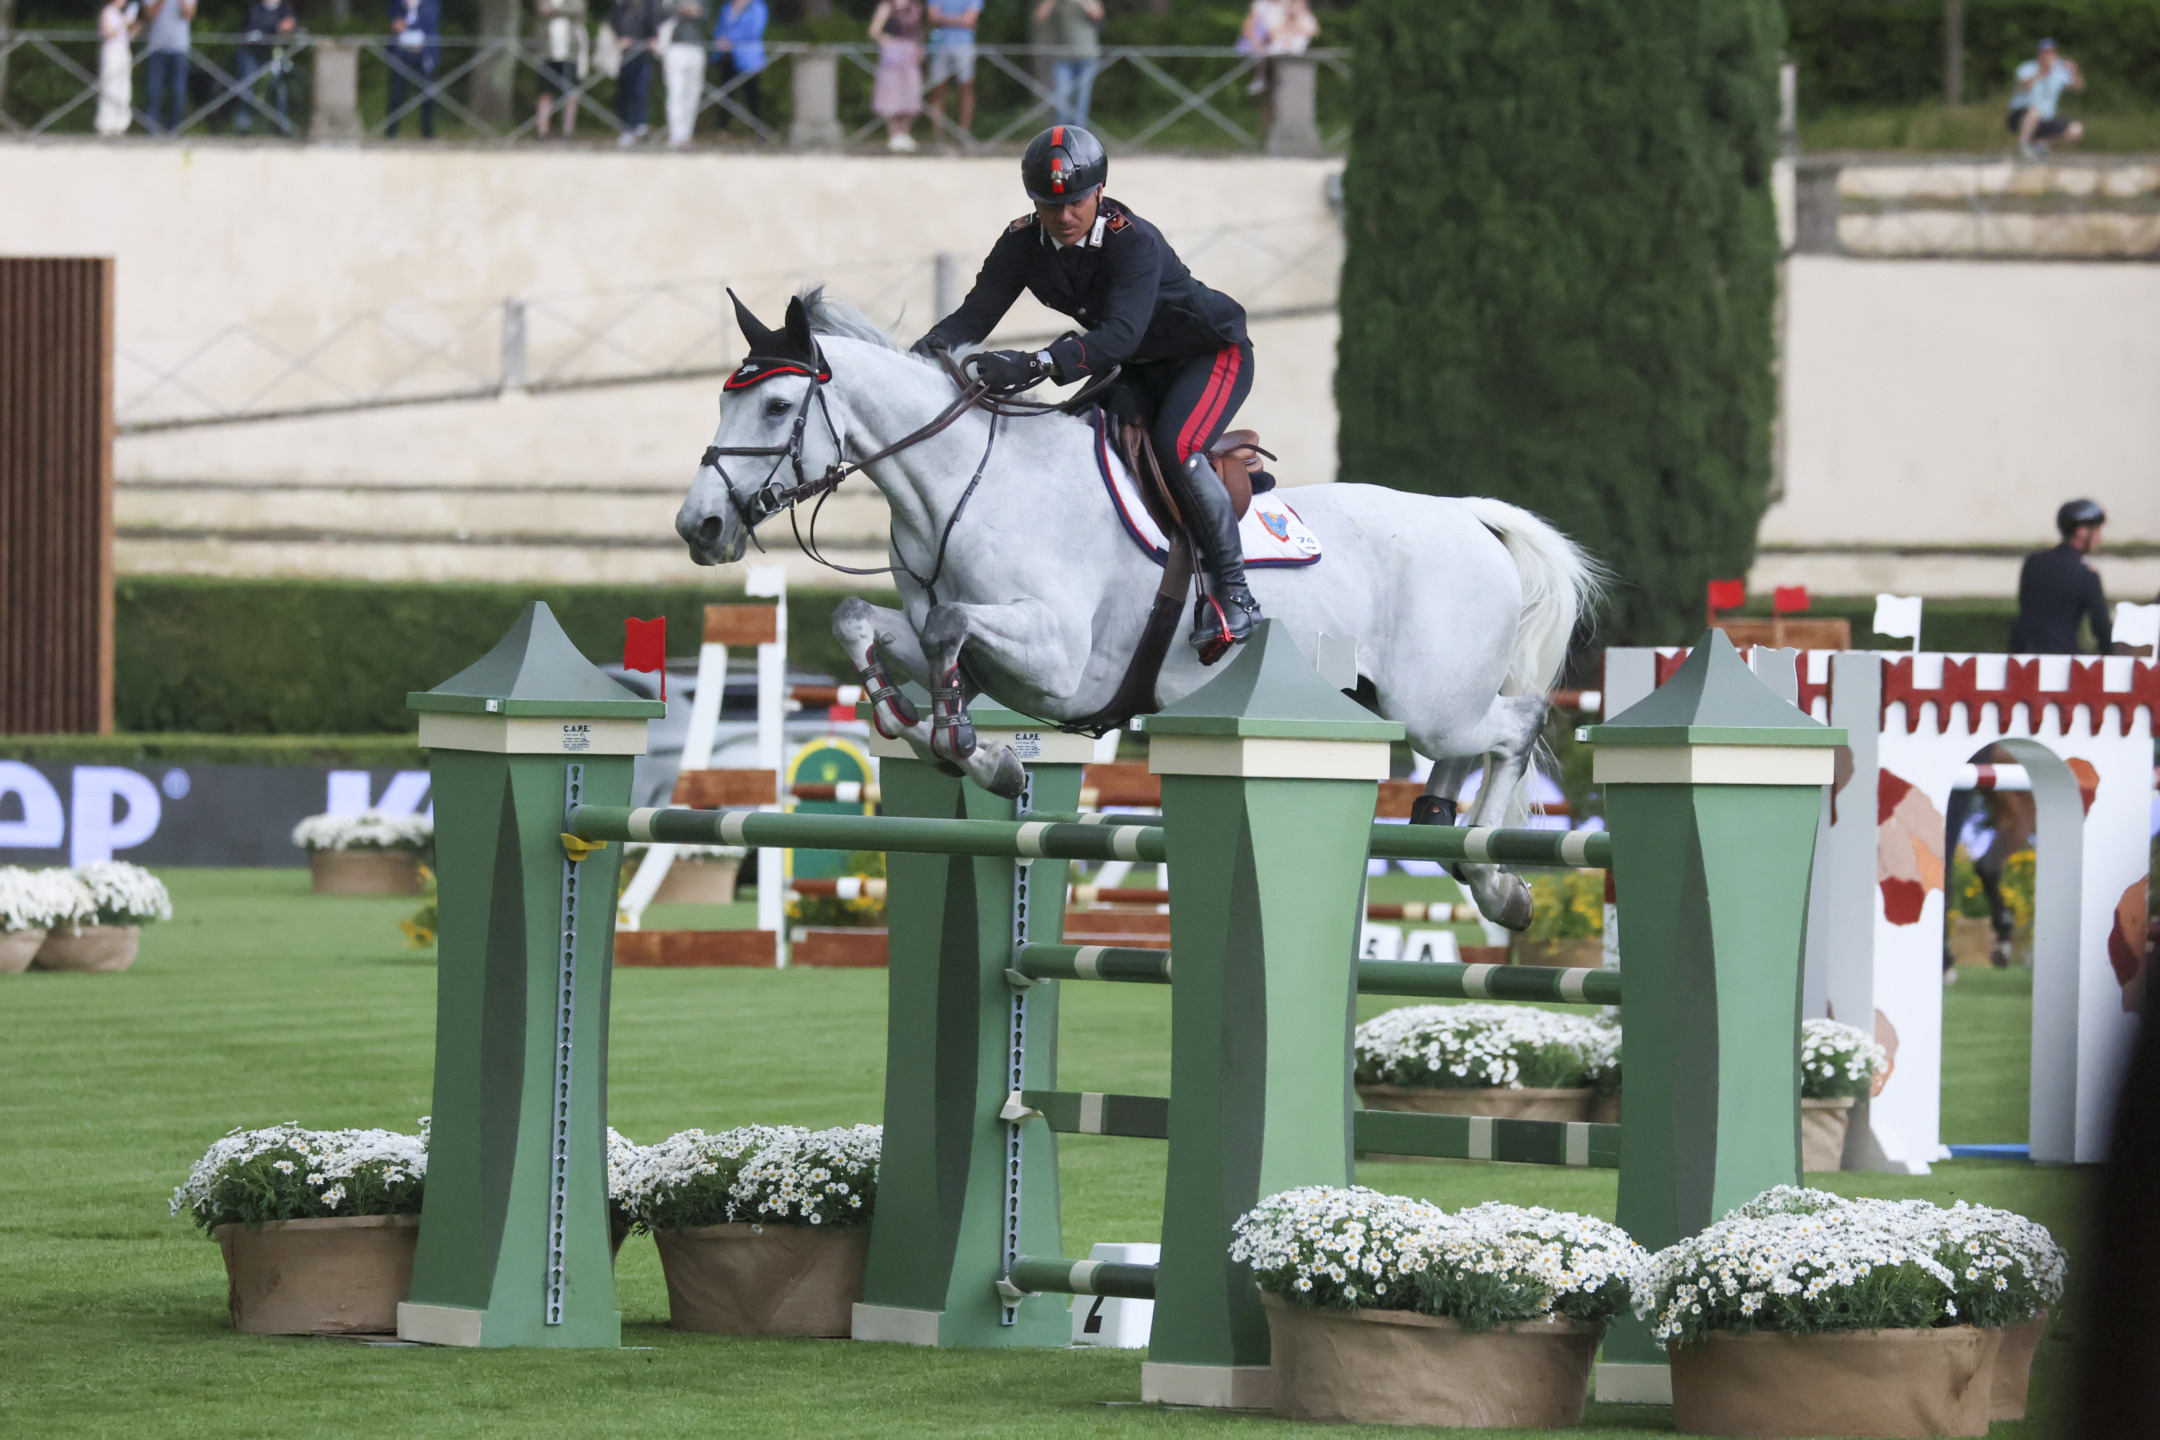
(2057,588)
(1183,346)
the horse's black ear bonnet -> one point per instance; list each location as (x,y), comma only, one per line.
(790,351)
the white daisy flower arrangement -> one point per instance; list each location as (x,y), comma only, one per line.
(771,1174)
(1838,1060)
(124,894)
(1354,1248)
(367,830)
(285,1172)
(1480,1047)
(1807,1261)
(44,899)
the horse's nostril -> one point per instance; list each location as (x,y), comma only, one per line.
(708,532)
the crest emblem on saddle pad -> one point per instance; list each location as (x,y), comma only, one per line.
(1277,525)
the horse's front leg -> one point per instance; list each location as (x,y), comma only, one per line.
(862,629)
(1024,640)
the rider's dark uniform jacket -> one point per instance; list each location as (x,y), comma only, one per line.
(1123,282)
(2055,589)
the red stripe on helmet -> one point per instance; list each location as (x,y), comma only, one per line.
(1057,135)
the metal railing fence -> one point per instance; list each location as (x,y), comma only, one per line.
(416,353)
(1144,97)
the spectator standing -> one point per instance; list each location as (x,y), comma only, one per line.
(116,66)
(569,51)
(270,24)
(898,26)
(2040,84)
(1272,28)
(683,67)
(739,51)
(1075,29)
(952,59)
(166,65)
(415,46)
(637,33)
(2058,587)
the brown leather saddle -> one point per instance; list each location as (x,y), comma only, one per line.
(1236,457)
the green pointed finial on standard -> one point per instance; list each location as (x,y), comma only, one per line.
(1270,776)
(514,1231)
(1713,784)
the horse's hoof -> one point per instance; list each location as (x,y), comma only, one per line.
(1008,777)
(1510,908)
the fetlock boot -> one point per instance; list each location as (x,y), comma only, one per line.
(1226,612)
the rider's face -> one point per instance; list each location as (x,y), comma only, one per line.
(1069,224)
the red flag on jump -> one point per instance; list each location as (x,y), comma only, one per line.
(1788,600)
(645,648)
(1727,594)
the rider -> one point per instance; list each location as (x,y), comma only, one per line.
(1182,345)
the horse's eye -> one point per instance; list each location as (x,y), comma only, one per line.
(777,407)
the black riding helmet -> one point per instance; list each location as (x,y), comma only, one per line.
(1063,165)
(2079,512)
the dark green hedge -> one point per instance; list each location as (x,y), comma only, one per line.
(1890,52)
(252,657)
(1560,271)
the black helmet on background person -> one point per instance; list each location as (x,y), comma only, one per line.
(2079,512)
(1063,165)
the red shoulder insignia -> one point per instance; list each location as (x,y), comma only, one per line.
(1021,224)
(1119,220)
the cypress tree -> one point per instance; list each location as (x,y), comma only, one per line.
(1560,274)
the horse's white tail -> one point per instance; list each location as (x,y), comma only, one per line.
(1559,584)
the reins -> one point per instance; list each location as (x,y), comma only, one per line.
(769,499)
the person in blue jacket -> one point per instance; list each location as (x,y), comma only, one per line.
(738,42)
(415,46)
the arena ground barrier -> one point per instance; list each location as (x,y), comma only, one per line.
(1269,784)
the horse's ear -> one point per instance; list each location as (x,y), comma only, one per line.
(754,333)
(799,345)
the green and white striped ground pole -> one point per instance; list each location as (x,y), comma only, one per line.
(963,1192)
(514,1230)
(1269,780)
(1712,785)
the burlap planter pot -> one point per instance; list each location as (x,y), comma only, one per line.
(1891,1384)
(2013,1368)
(764,1279)
(1822,1133)
(94,949)
(342,1276)
(18,948)
(699,881)
(1393,1367)
(1581,952)
(365,872)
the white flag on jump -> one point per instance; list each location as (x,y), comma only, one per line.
(1898,616)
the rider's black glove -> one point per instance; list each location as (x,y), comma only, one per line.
(1009,369)
(929,347)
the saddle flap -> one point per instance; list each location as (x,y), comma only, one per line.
(1139,453)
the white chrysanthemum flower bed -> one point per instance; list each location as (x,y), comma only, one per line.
(1838,1060)
(287,1172)
(770,1174)
(1341,1249)
(1807,1261)
(125,894)
(1483,1047)
(368,830)
(44,899)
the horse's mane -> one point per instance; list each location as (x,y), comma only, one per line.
(830,315)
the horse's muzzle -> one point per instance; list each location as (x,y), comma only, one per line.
(704,535)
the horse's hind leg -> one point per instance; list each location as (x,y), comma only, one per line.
(1508,736)
(1438,805)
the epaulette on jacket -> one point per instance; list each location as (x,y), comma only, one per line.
(1021,224)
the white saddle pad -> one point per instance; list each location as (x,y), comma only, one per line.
(1273,534)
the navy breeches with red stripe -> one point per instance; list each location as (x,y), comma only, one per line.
(1193,400)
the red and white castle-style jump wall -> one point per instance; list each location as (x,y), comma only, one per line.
(2083,731)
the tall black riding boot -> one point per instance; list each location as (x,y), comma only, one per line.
(1227,611)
